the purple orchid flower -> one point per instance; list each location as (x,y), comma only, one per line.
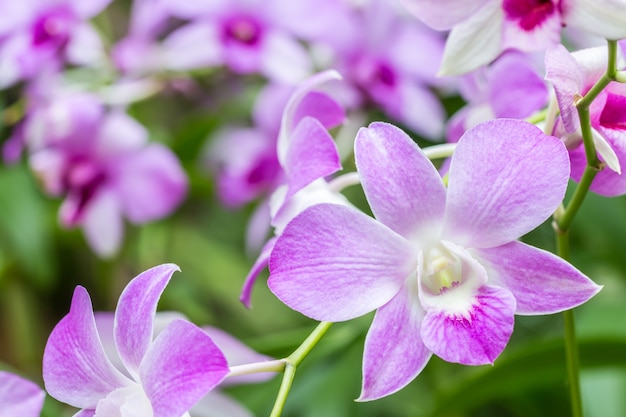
(392,61)
(442,267)
(19,396)
(573,75)
(482,29)
(38,35)
(306,155)
(509,88)
(215,403)
(164,377)
(248,36)
(102,163)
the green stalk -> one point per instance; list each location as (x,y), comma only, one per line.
(292,362)
(565,217)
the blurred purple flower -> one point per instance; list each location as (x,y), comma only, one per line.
(510,87)
(442,266)
(38,35)
(248,36)
(482,29)
(392,61)
(163,377)
(101,162)
(572,75)
(19,396)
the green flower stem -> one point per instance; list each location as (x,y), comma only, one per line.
(292,362)
(565,217)
(257,367)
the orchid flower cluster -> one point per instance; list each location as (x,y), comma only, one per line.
(349,215)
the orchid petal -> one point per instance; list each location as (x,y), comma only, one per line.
(515,88)
(237,353)
(76,370)
(402,186)
(541,282)
(284,59)
(134,315)
(19,396)
(474,42)
(493,203)
(605,151)
(600,17)
(564,73)
(334,263)
(102,222)
(85,413)
(476,337)
(120,133)
(421,110)
(181,366)
(312,154)
(88,8)
(151,183)
(288,119)
(394,352)
(180,48)
(216,404)
(321,107)
(443,14)
(259,265)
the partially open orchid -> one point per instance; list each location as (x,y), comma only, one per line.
(306,154)
(442,267)
(572,75)
(214,403)
(19,396)
(482,29)
(163,377)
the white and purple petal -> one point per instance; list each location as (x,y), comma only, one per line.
(75,368)
(394,352)
(541,282)
(496,193)
(402,186)
(476,337)
(19,396)
(134,315)
(181,366)
(334,263)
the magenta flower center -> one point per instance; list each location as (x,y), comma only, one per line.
(53,28)
(385,74)
(613,114)
(243,29)
(83,178)
(528,13)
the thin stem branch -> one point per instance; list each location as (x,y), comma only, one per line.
(257,367)
(563,218)
(292,362)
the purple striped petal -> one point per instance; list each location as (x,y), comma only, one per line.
(181,366)
(402,186)
(134,315)
(476,337)
(564,73)
(312,154)
(474,42)
(394,352)
(334,263)
(496,192)
(76,370)
(443,14)
(541,282)
(321,107)
(19,396)
(290,112)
